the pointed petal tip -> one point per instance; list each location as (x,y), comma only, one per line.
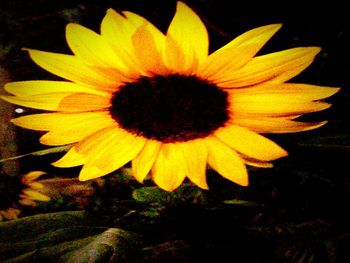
(83,179)
(204,187)
(274,27)
(278,25)
(62,164)
(201,184)
(31,51)
(308,50)
(277,153)
(315,126)
(321,124)
(168,188)
(334,90)
(182,7)
(311,51)
(327,91)
(70,159)
(283,153)
(314,50)
(180,3)
(244,183)
(46,140)
(111,11)
(18,122)
(57,164)
(89,173)
(139,180)
(32,176)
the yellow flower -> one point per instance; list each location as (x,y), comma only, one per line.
(16,192)
(165,104)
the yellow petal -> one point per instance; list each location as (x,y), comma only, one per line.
(150,57)
(92,48)
(31,176)
(102,137)
(250,143)
(72,68)
(169,168)
(276,109)
(257,36)
(55,121)
(276,125)
(70,159)
(36,186)
(134,20)
(37,87)
(49,101)
(258,164)
(118,32)
(84,102)
(34,195)
(237,53)
(223,62)
(75,132)
(114,150)
(69,102)
(77,155)
(254,162)
(282,93)
(226,161)
(195,154)
(275,67)
(27,202)
(143,162)
(186,41)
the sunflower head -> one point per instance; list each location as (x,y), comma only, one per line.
(16,192)
(163,103)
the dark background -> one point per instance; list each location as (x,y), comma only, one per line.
(306,195)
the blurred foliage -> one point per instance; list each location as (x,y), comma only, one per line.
(64,237)
(187,225)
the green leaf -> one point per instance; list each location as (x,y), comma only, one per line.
(185,193)
(113,245)
(152,194)
(240,202)
(190,193)
(73,236)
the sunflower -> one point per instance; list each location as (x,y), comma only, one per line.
(16,192)
(164,103)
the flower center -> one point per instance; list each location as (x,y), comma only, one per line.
(171,108)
